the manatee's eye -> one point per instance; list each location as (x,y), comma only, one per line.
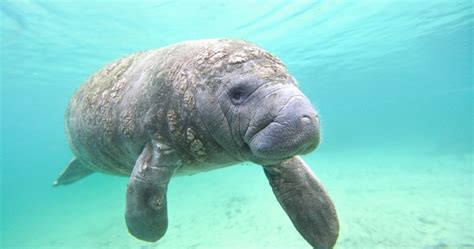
(238,95)
(241,89)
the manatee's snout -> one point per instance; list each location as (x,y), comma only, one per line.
(293,131)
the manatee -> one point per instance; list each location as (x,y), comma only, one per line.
(192,107)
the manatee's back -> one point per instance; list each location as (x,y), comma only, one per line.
(105,119)
(95,123)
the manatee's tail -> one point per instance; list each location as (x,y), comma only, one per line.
(73,172)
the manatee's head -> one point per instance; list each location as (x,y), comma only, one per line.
(273,119)
(254,108)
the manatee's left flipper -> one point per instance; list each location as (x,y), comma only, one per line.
(305,201)
(146,209)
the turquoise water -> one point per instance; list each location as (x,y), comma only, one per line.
(392,80)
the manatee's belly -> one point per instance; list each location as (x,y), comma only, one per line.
(198,167)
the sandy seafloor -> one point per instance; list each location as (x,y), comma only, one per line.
(391,198)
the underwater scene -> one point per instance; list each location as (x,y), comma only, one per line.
(392,83)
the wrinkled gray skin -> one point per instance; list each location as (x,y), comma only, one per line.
(193,107)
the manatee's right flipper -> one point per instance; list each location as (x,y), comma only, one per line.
(305,201)
(73,172)
(146,209)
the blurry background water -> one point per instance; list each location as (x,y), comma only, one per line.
(393,81)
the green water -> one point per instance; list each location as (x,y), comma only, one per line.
(392,80)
